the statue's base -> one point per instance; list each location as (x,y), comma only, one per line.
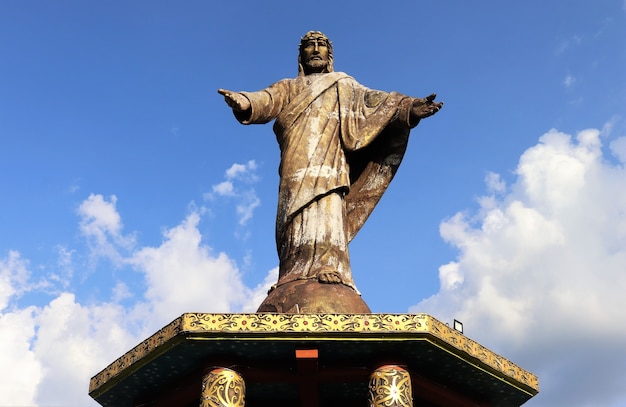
(309,360)
(313,297)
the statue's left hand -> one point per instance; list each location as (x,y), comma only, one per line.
(426,107)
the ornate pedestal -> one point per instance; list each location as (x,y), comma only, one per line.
(310,360)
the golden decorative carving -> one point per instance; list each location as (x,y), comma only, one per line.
(310,323)
(223,388)
(390,386)
(315,326)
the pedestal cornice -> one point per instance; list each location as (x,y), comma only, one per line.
(260,335)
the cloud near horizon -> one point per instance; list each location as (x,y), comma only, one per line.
(182,274)
(540,276)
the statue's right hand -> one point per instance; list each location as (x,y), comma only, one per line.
(235,100)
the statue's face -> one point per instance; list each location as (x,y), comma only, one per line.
(314,56)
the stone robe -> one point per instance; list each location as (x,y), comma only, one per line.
(341,144)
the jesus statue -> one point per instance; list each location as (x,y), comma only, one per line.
(341,144)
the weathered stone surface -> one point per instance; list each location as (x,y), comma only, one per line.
(313,297)
(341,144)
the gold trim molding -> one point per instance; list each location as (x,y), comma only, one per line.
(270,326)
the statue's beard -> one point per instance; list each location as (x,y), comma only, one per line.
(316,65)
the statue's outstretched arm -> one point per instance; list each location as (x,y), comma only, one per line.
(237,101)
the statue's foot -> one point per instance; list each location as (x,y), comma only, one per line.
(329,277)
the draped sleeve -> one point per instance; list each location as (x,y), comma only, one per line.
(375,132)
(266,104)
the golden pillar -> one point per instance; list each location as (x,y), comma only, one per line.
(390,386)
(223,387)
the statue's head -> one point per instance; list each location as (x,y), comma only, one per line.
(316,54)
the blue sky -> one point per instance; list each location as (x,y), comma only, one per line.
(131,195)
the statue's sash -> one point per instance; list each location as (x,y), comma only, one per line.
(296,106)
(371,168)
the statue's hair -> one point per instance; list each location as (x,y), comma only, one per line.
(317,35)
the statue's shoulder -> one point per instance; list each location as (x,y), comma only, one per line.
(336,77)
(280,86)
(345,79)
(341,76)
(283,82)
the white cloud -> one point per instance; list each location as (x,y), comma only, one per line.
(43,352)
(245,209)
(49,353)
(183,275)
(450,276)
(242,170)
(73,342)
(258,294)
(494,182)
(540,272)
(99,217)
(569,81)
(618,148)
(14,276)
(64,268)
(101,224)
(239,177)
(21,371)
(224,188)
(120,292)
